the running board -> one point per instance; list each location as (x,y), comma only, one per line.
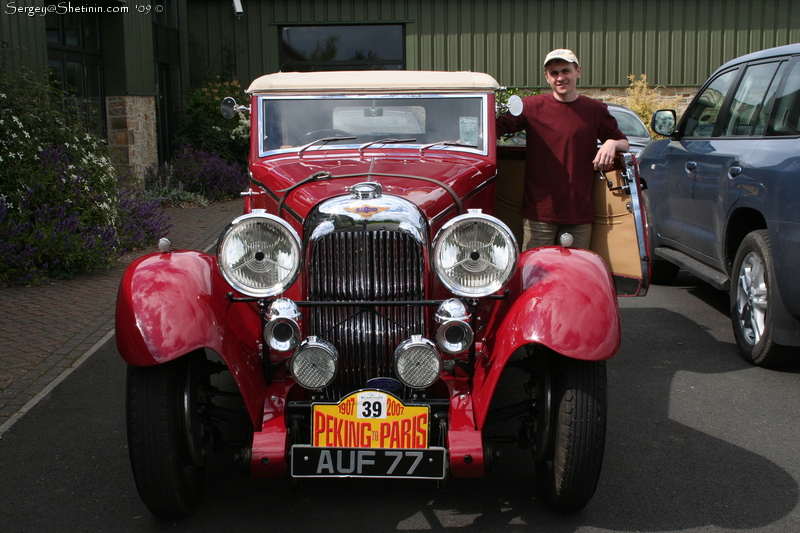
(718,279)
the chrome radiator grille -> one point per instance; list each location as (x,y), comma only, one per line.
(361,265)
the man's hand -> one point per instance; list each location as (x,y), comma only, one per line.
(604,159)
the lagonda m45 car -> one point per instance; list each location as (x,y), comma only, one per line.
(369,299)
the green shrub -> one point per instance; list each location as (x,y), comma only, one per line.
(202,126)
(644,100)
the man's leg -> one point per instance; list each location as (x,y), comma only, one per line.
(535,234)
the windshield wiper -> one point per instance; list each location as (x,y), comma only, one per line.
(324,140)
(445,143)
(383,141)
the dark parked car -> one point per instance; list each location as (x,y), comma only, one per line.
(632,126)
(724,197)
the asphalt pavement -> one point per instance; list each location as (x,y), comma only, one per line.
(48,330)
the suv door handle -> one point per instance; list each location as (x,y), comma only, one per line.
(734,171)
(691,165)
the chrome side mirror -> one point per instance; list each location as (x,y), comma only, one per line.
(229,108)
(515,105)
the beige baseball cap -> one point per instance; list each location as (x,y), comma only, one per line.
(563,54)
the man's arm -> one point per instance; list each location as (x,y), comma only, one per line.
(608,150)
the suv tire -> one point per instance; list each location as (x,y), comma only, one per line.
(751,301)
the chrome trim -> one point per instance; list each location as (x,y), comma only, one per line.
(484,118)
(634,186)
(346,214)
(366,250)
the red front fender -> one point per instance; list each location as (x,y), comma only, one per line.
(568,303)
(170,304)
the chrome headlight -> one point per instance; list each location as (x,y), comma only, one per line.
(259,255)
(313,365)
(474,255)
(417,363)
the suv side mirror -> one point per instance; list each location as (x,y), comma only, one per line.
(663,122)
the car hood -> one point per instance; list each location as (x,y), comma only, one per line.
(305,181)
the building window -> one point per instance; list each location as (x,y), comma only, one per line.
(76,66)
(339,47)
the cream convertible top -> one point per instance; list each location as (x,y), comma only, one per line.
(372,81)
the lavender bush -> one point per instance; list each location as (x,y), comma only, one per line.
(201,173)
(61,211)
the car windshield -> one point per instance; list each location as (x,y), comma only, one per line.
(293,122)
(630,125)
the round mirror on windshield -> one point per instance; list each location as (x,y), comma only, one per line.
(228,107)
(515,105)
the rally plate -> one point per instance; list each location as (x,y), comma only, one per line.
(311,461)
(370,419)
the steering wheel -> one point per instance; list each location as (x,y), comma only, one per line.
(319,134)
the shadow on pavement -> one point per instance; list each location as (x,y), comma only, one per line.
(68,457)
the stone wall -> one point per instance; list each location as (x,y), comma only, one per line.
(677,98)
(132,133)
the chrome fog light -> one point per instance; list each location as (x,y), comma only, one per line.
(313,364)
(282,330)
(455,334)
(417,363)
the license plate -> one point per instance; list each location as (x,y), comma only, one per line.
(370,419)
(311,461)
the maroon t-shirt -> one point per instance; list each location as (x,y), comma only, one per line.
(561,139)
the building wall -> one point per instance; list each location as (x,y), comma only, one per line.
(128,74)
(675,43)
(26,35)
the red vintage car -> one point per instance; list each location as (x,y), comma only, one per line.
(370,297)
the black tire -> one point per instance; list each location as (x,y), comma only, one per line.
(752,301)
(166,439)
(661,272)
(568,477)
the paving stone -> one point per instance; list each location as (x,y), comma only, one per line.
(46,328)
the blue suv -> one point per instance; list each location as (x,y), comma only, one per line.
(723,197)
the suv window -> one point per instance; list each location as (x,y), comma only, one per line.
(748,102)
(786,118)
(703,115)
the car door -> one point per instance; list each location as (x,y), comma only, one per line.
(724,170)
(689,157)
(619,233)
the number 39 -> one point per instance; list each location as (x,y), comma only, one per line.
(371,410)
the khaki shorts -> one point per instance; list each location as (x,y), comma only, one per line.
(536,234)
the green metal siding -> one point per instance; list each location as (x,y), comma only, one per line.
(138,48)
(26,37)
(673,42)
(127,46)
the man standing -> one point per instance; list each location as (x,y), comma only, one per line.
(562,129)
